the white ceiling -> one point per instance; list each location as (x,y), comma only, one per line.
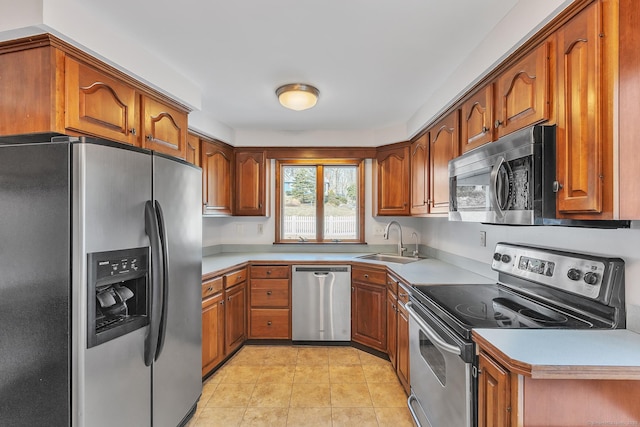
(375,62)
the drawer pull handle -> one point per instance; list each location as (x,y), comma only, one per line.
(366,276)
(268,292)
(268,271)
(210,288)
(269,323)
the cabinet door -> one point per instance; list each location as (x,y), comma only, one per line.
(493,394)
(165,128)
(369,315)
(212,332)
(193,149)
(477,119)
(251,191)
(523,92)
(580,137)
(235,317)
(217,170)
(392,343)
(444,144)
(99,105)
(403,347)
(393,182)
(420,175)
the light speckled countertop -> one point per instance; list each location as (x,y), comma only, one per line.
(425,271)
(563,353)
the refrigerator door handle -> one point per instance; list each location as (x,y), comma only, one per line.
(165,278)
(155,283)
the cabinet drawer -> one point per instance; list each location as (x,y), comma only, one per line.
(403,294)
(235,278)
(371,276)
(392,284)
(270,271)
(270,323)
(270,292)
(211,287)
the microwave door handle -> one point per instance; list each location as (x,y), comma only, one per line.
(493,188)
(433,336)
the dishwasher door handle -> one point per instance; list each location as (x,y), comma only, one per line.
(320,274)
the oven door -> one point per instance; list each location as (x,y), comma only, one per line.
(442,384)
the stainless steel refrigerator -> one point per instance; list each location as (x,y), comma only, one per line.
(100,284)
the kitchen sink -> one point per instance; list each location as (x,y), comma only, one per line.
(391,258)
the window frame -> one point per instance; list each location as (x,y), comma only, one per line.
(320,164)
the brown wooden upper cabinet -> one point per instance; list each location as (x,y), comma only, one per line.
(444,143)
(50,86)
(477,119)
(217,178)
(392,173)
(420,175)
(583,129)
(522,97)
(165,128)
(250,178)
(193,149)
(98,104)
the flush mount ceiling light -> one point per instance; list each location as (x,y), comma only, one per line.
(297,96)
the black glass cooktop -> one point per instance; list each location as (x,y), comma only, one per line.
(464,307)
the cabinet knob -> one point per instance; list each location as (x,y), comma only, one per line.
(268,292)
(366,276)
(132,131)
(149,137)
(485,129)
(269,323)
(210,288)
(229,298)
(402,294)
(268,272)
(497,124)
(556,186)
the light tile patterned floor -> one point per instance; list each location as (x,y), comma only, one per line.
(303,386)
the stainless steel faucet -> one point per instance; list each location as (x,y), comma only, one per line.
(386,236)
(416,252)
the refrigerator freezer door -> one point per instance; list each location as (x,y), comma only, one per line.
(177,381)
(111,186)
(34,285)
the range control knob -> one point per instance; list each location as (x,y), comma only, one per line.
(591,278)
(497,256)
(573,274)
(505,258)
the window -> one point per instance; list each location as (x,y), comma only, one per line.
(319,201)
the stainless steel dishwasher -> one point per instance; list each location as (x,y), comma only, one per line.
(321,300)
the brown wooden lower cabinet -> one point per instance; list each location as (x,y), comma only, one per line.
(507,398)
(270,302)
(235,316)
(368,308)
(402,368)
(212,332)
(392,327)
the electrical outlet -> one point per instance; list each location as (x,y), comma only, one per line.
(483,238)
(239,229)
(260,229)
(378,231)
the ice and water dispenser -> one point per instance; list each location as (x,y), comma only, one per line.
(118,294)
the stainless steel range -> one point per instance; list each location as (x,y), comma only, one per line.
(537,288)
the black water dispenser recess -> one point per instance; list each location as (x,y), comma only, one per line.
(118,294)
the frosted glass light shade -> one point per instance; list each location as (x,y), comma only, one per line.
(297,96)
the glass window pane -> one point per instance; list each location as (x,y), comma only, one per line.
(298,202)
(340,202)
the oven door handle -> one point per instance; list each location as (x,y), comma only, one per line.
(433,336)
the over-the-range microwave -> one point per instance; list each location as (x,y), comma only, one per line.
(511,181)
